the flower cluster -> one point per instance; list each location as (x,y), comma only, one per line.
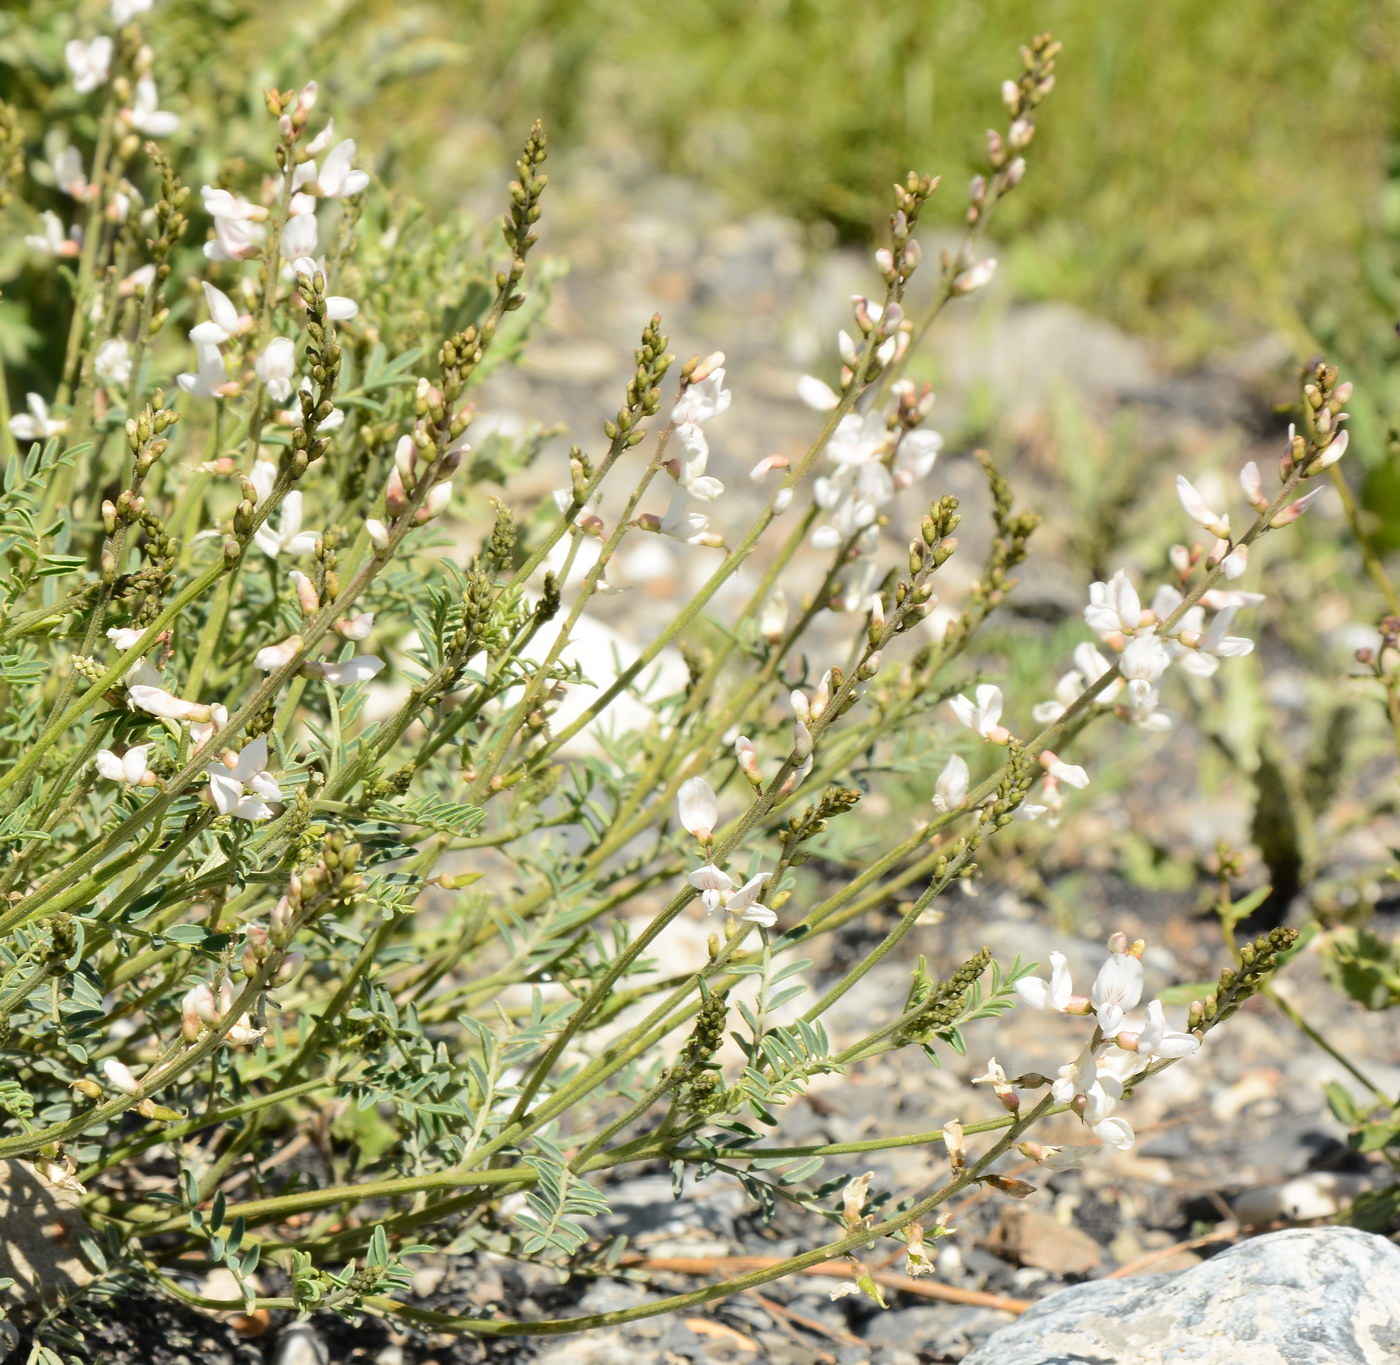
(1093,1083)
(698,810)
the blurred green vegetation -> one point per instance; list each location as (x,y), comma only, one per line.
(1204,171)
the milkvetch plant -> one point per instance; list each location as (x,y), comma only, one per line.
(308,812)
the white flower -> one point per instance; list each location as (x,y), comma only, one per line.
(124,11)
(128,768)
(299,236)
(703,400)
(225,321)
(378,533)
(144,115)
(360,669)
(288,536)
(1143,661)
(1154,1039)
(336,179)
(201,732)
(234,240)
(951,789)
(1069,773)
(681,523)
(816,393)
(1217,523)
(698,808)
(1116,989)
(915,456)
(690,471)
(124,636)
(68,173)
(112,363)
(276,367)
(1114,607)
(984,715)
(210,379)
(859,440)
(1057,994)
(221,203)
(160,702)
(718,892)
(36,425)
(53,240)
(1094,1095)
(90,63)
(240,786)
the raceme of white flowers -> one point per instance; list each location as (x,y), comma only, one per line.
(1092,1084)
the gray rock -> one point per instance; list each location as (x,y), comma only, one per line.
(40,1228)
(1308,1296)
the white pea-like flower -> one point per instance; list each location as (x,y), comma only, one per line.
(984,714)
(90,63)
(347,672)
(1116,989)
(276,368)
(950,791)
(1217,523)
(128,768)
(239,784)
(36,424)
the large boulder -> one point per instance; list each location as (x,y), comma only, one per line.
(1308,1296)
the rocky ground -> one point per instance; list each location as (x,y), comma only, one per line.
(1234,1139)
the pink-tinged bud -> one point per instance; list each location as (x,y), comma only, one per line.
(747,757)
(439,495)
(801,707)
(1253,484)
(280,918)
(1341,394)
(272,657)
(976,277)
(1294,510)
(287,969)
(378,533)
(119,1077)
(1015,173)
(256,949)
(884,262)
(1334,452)
(356,627)
(1020,133)
(996,148)
(711,363)
(822,696)
(1118,942)
(697,809)
(769,463)
(591,524)
(395,494)
(1011,97)
(913,253)
(307,596)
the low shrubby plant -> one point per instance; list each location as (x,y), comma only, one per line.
(329,894)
